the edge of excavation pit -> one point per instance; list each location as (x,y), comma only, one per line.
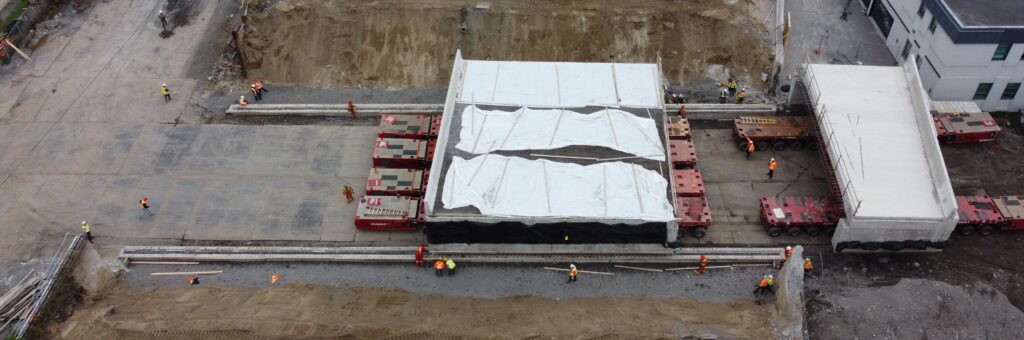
(789,297)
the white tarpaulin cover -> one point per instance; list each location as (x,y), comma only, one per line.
(517,187)
(560,84)
(484,131)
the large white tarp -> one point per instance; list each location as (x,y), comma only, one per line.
(516,187)
(560,84)
(484,131)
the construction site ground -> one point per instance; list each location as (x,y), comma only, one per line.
(85,134)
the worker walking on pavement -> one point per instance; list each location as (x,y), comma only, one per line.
(144,204)
(771,285)
(163,19)
(762,286)
(722,95)
(771,168)
(255,93)
(741,96)
(703,267)
(166,92)
(260,88)
(572,273)
(242,101)
(419,255)
(451,266)
(439,267)
(349,193)
(88,231)
(750,147)
(192,280)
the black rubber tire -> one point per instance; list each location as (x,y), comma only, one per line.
(762,145)
(939,245)
(779,145)
(892,245)
(813,231)
(985,229)
(871,245)
(742,146)
(698,232)
(796,145)
(919,244)
(774,231)
(793,231)
(965,230)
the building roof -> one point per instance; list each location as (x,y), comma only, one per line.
(545,142)
(881,141)
(988,12)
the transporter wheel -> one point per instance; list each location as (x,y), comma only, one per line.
(774,231)
(796,145)
(793,231)
(985,229)
(742,146)
(893,245)
(965,230)
(813,231)
(779,145)
(919,244)
(698,232)
(830,231)
(762,145)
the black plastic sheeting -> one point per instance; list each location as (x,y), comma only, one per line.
(554,233)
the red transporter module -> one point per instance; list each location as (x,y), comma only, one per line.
(398,153)
(404,126)
(688,182)
(394,213)
(962,128)
(693,213)
(435,126)
(395,182)
(796,214)
(678,127)
(984,214)
(682,153)
(779,133)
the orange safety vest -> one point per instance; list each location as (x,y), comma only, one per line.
(439,265)
(771,165)
(572,272)
(743,94)
(243,102)
(143,204)
(750,145)
(704,262)
(763,283)
(808,265)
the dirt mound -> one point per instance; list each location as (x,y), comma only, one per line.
(916,309)
(309,311)
(348,43)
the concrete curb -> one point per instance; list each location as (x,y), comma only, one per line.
(693,111)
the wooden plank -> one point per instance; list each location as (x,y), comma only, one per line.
(188,273)
(643,269)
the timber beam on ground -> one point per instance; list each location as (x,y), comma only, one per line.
(694,111)
(492,254)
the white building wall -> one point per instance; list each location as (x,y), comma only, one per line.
(953,71)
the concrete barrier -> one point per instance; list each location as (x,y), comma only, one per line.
(789,297)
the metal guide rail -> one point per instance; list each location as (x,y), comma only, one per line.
(510,254)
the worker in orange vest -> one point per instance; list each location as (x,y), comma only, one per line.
(259,87)
(419,255)
(789,252)
(255,93)
(771,168)
(682,110)
(762,287)
(703,267)
(144,204)
(349,193)
(741,96)
(439,267)
(572,273)
(242,101)
(192,280)
(808,266)
(352,109)
(750,147)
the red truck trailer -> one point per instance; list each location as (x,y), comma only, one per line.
(985,214)
(963,128)
(779,132)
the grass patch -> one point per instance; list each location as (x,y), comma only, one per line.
(65,295)
(18,9)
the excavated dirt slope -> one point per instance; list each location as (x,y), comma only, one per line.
(347,43)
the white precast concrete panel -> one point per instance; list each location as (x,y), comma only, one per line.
(484,131)
(516,187)
(875,141)
(560,84)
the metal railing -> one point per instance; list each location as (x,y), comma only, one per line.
(840,165)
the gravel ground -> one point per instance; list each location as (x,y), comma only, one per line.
(473,280)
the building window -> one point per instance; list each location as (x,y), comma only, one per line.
(982,92)
(1010,91)
(1002,51)
(932,25)
(906,51)
(920,10)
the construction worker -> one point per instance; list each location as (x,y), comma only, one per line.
(255,93)
(740,96)
(349,193)
(750,147)
(771,168)
(192,280)
(144,204)
(274,278)
(439,267)
(789,252)
(352,109)
(88,231)
(451,266)
(572,273)
(675,99)
(722,95)
(703,267)
(732,87)
(163,19)
(242,101)
(771,285)
(682,110)
(166,92)
(419,255)
(259,87)
(808,266)
(762,286)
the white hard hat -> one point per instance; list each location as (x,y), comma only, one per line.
(163,84)
(241,97)
(252,85)
(787,247)
(773,158)
(771,276)
(83,222)
(572,265)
